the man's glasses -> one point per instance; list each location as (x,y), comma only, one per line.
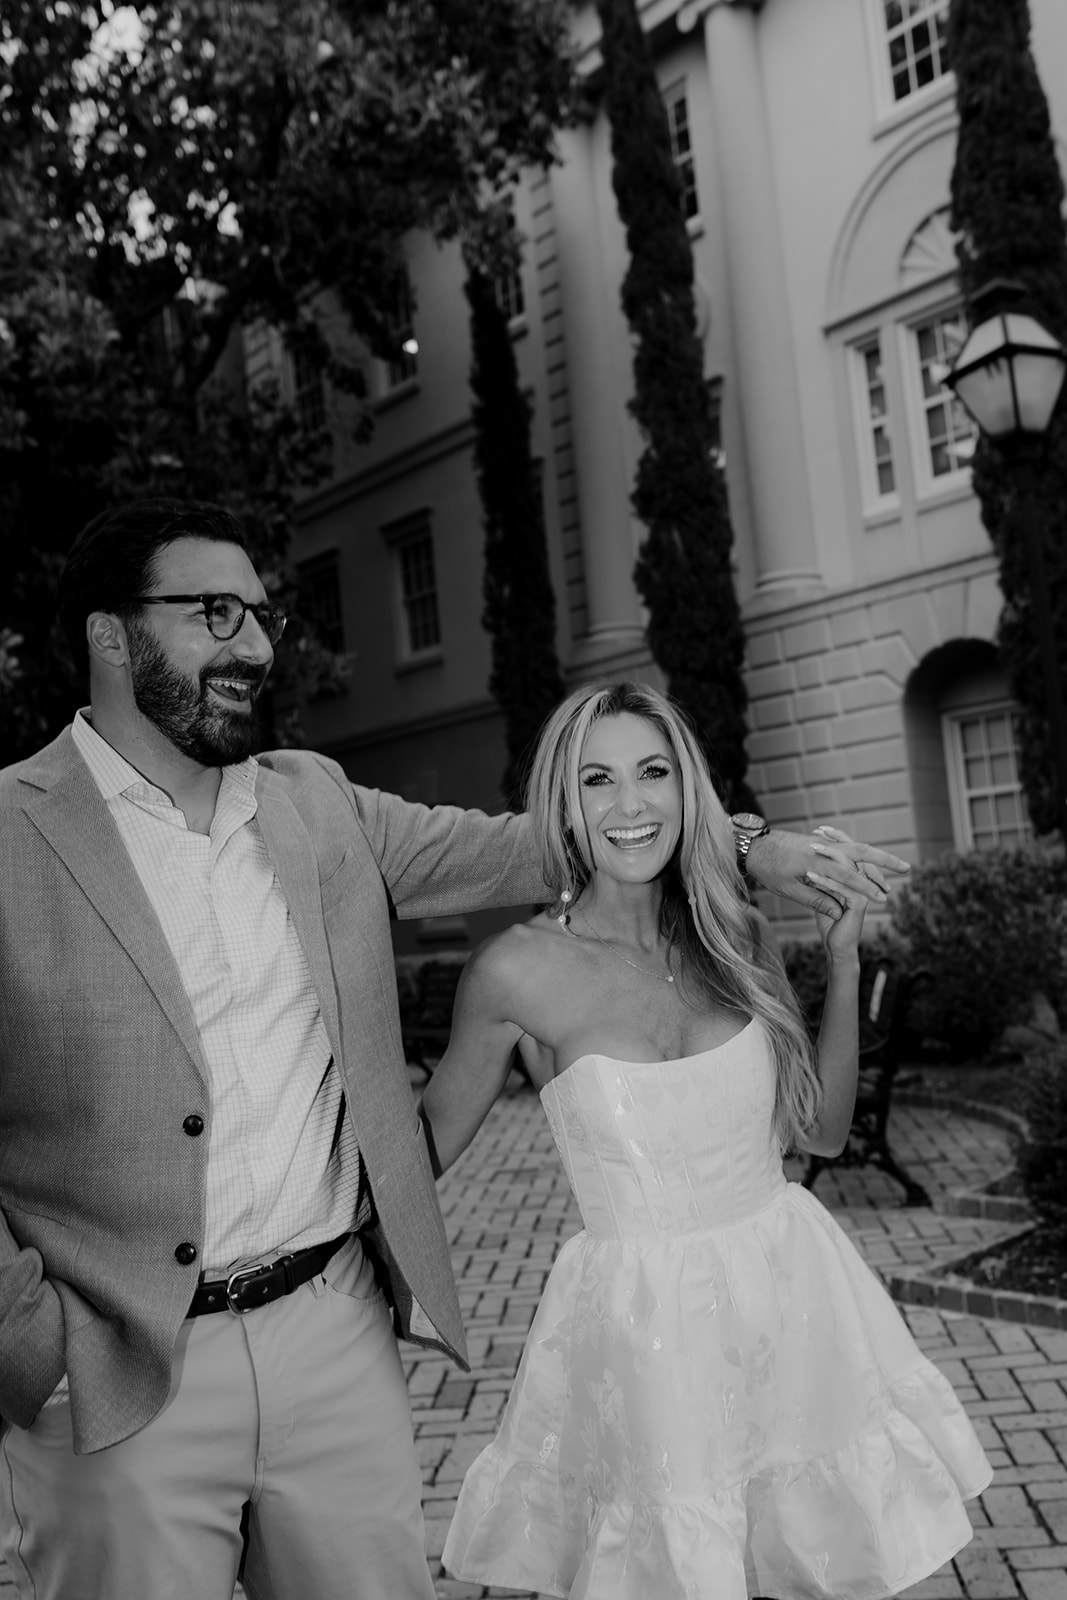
(225,613)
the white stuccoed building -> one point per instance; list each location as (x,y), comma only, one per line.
(815,139)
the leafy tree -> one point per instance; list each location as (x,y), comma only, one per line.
(520,606)
(176,172)
(683,568)
(82,423)
(1007,210)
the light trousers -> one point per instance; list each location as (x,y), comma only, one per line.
(298,1409)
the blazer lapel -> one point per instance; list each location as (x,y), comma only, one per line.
(292,853)
(66,806)
(68,809)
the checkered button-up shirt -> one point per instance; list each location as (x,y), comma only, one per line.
(283,1163)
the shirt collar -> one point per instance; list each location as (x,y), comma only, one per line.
(114,775)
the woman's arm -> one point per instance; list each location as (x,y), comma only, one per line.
(474,1068)
(838,1043)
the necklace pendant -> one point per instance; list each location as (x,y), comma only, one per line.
(671,978)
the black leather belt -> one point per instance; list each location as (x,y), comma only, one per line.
(257,1286)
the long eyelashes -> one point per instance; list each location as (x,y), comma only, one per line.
(594,779)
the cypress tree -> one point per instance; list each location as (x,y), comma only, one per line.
(1007,211)
(683,567)
(519,604)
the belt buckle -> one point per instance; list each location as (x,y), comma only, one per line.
(235,1277)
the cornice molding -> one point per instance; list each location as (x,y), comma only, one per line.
(965,569)
(693,11)
(447,441)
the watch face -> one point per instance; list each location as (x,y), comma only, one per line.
(748,820)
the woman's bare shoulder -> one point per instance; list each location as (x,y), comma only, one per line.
(510,961)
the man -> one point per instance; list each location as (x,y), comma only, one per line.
(214,1189)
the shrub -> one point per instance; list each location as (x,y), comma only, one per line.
(1042,1161)
(990,929)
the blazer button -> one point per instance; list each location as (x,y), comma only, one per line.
(185,1254)
(193,1125)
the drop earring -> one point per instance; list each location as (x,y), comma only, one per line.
(564,915)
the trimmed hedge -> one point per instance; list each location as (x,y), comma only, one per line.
(1042,1161)
(990,928)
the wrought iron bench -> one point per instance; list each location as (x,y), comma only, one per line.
(887,1035)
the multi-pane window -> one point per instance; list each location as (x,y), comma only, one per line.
(309,398)
(403,360)
(916,39)
(319,597)
(418,593)
(879,472)
(950,433)
(509,296)
(677,109)
(982,746)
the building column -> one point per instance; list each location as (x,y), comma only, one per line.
(768,390)
(598,379)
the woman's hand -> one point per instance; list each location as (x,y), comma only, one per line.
(784,863)
(840,934)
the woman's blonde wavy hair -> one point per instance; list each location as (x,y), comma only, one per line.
(704,915)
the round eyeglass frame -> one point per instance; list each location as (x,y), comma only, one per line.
(271,618)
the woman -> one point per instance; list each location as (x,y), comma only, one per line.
(716,1398)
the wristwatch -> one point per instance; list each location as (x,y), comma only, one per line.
(747,826)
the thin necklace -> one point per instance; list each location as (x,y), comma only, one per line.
(664,977)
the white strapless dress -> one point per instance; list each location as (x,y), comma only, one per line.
(717,1397)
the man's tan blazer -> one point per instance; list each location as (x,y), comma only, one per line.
(100,1064)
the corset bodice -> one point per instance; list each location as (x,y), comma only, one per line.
(669,1147)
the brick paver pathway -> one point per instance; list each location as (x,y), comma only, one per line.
(507,1208)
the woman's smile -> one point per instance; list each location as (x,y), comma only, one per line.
(637,838)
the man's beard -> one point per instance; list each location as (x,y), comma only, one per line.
(182,709)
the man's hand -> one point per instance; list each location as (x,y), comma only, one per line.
(782,862)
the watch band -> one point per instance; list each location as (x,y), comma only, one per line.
(747,826)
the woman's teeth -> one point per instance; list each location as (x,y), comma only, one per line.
(632,838)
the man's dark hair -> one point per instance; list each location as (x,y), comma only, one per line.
(113,558)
